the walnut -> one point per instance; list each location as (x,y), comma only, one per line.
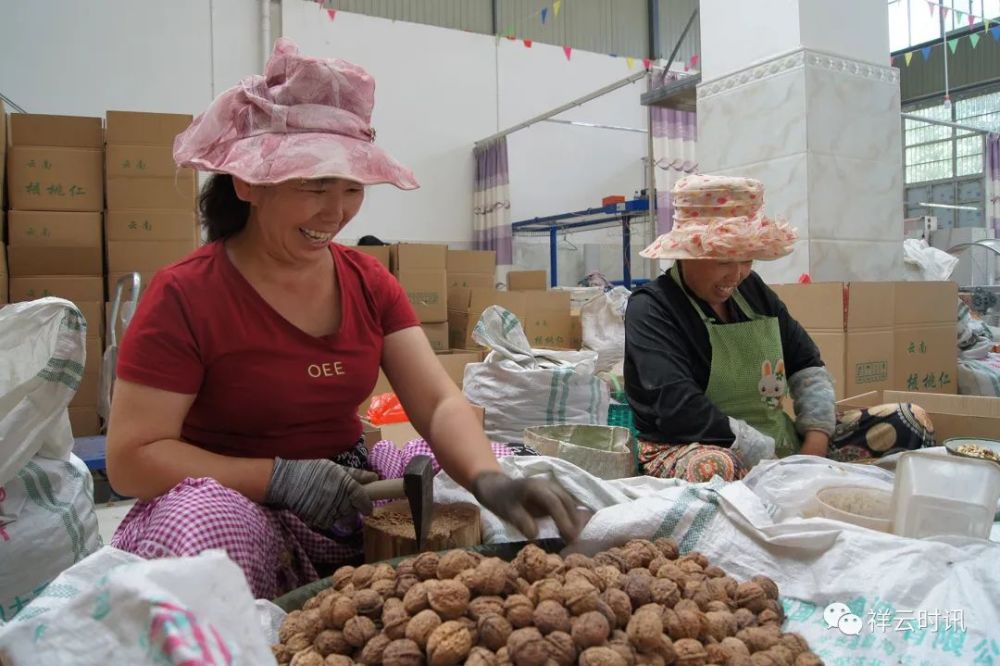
(672,572)
(580,597)
(503,656)
(624,650)
(620,605)
(587,576)
(751,596)
(482,606)
(342,577)
(519,611)
(494,630)
(480,656)
(808,659)
(394,620)
(332,641)
(416,599)
(766,658)
(403,652)
(578,560)
(368,602)
(421,626)
(651,659)
(448,597)
(718,607)
(405,567)
(690,566)
(645,630)
(425,566)
(521,586)
(590,630)
(338,660)
(782,655)
(362,576)
(721,625)
(453,562)
(689,652)
(668,547)
(337,612)
(744,618)
(687,605)
(795,643)
(472,626)
(467,577)
(404,582)
(527,647)
(612,558)
(554,564)
(532,563)
(560,648)
(633,558)
(383,587)
(546,589)
(695,556)
(359,630)
(609,614)
(638,588)
(714,572)
(307,658)
(681,624)
(316,601)
(551,616)
(308,623)
(372,652)
(735,646)
(448,645)
(758,639)
(645,548)
(768,616)
(612,576)
(601,656)
(298,642)
(491,576)
(776,608)
(281,653)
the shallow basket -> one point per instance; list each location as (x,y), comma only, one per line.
(607,452)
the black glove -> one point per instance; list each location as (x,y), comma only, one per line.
(318,491)
(520,501)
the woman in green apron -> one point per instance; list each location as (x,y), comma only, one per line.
(711,352)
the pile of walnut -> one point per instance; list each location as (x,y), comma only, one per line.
(639,604)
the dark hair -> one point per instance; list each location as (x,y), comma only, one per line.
(371,240)
(222,212)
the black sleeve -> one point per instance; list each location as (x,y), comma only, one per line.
(671,407)
(799,349)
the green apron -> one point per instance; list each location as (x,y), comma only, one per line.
(747,379)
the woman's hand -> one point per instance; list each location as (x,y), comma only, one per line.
(815,443)
(318,491)
(521,501)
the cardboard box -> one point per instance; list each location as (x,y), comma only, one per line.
(428,294)
(527,280)
(4,287)
(73,288)
(54,229)
(155,129)
(410,257)
(372,434)
(47,178)
(402,433)
(575,331)
(472,280)
(129,161)
(3,164)
(380,252)
(145,256)
(952,415)
(482,262)
(465,307)
(178,193)
(95,355)
(30,261)
(150,225)
(437,335)
(84,421)
(548,322)
(925,333)
(33,129)
(454,363)
(90,387)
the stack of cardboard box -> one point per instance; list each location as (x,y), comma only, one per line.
(475,269)
(422,270)
(380,252)
(3,215)
(151,219)
(54,171)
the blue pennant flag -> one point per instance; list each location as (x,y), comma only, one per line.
(996,33)
(927,53)
(545,14)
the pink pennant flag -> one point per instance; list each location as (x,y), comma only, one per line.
(332,13)
(528,43)
(931,6)
(568,50)
(647,63)
(972,20)
(695,59)
(944,13)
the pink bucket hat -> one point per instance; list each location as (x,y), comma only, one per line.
(306,118)
(719,217)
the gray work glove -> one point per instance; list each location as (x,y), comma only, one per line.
(751,445)
(521,501)
(318,491)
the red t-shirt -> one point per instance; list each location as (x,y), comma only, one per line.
(264,387)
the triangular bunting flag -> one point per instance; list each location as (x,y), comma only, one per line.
(630,62)
(545,14)
(926,52)
(695,59)
(995,31)
(944,13)
(332,13)
(974,38)
(953,45)
(958,14)
(509,33)
(931,5)
(556,6)
(568,50)
(908,56)
(646,63)
(528,43)
(972,20)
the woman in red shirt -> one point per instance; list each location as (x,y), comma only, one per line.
(234,418)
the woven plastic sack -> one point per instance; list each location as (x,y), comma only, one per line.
(604,451)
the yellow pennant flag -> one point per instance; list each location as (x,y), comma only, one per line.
(908,57)
(556,6)
(630,62)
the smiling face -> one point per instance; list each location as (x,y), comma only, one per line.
(715,281)
(297,219)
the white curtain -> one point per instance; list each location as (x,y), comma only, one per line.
(675,138)
(491,202)
(992,168)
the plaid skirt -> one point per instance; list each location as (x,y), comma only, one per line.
(861,434)
(275,549)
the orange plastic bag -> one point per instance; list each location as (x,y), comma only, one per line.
(385,409)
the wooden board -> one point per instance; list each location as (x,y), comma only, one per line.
(389,532)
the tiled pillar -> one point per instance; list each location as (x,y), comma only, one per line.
(816,118)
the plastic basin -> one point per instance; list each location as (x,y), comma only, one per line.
(858,505)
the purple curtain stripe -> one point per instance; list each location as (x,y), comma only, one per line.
(664,212)
(491,165)
(498,239)
(674,124)
(993,157)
